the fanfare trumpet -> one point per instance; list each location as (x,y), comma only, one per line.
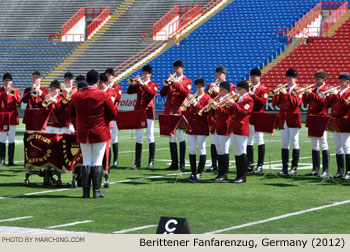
(48,100)
(11,91)
(167,82)
(302,90)
(273,92)
(68,98)
(133,81)
(224,101)
(210,91)
(211,104)
(185,106)
(323,94)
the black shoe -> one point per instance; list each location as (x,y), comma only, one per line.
(182,166)
(292,172)
(258,169)
(182,155)
(220,178)
(324,174)
(211,168)
(135,166)
(250,168)
(11,154)
(347,176)
(192,177)
(282,172)
(199,176)
(150,165)
(239,180)
(338,175)
(313,173)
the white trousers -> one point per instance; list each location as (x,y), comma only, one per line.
(114,133)
(212,138)
(192,140)
(317,142)
(222,144)
(150,132)
(239,144)
(259,136)
(341,142)
(93,153)
(179,134)
(11,135)
(290,136)
(54,130)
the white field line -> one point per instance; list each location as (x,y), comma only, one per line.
(18,218)
(133,229)
(70,224)
(22,230)
(278,217)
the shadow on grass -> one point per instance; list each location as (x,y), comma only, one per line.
(280,185)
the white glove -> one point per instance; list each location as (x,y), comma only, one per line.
(71,128)
(40,92)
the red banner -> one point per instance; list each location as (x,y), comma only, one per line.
(59,151)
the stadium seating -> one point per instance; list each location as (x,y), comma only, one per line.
(241,36)
(330,54)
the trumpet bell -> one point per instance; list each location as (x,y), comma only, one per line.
(166,82)
(183,107)
(45,104)
(131,81)
(12,92)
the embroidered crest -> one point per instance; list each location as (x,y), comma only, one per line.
(247,106)
(112,98)
(155,88)
(266,96)
(5,127)
(188,86)
(143,123)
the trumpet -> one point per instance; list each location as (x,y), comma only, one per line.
(347,100)
(210,91)
(325,93)
(211,104)
(185,106)
(302,90)
(68,98)
(48,100)
(62,89)
(224,101)
(11,91)
(34,92)
(134,81)
(273,92)
(167,82)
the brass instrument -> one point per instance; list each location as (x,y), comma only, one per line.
(68,98)
(133,81)
(34,92)
(11,91)
(210,91)
(273,92)
(347,100)
(167,82)
(48,100)
(62,89)
(224,101)
(185,106)
(211,104)
(302,90)
(325,93)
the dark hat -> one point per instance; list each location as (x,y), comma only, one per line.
(110,71)
(92,77)
(147,68)
(291,73)
(344,76)
(55,84)
(255,72)
(80,78)
(221,69)
(243,84)
(7,76)
(36,73)
(103,77)
(225,85)
(178,63)
(82,84)
(320,74)
(200,82)
(68,75)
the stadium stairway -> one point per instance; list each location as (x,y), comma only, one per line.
(329,53)
(121,40)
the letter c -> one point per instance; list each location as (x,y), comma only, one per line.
(167,228)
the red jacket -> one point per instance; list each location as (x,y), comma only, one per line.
(232,90)
(55,112)
(34,101)
(289,108)
(239,116)
(145,97)
(199,124)
(118,90)
(317,105)
(114,96)
(177,93)
(338,105)
(260,97)
(8,103)
(220,117)
(64,114)
(93,109)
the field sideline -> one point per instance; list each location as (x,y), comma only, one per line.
(137,199)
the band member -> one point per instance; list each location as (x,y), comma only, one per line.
(52,102)
(79,79)
(317,106)
(260,95)
(200,128)
(177,89)
(289,119)
(240,111)
(146,91)
(220,130)
(92,130)
(9,99)
(35,94)
(213,90)
(337,101)
(114,130)
(67,90)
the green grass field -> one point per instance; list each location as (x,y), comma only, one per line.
(136,200)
